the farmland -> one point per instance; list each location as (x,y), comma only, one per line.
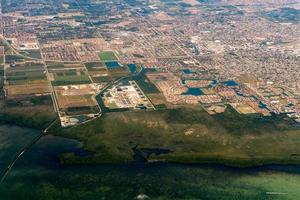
(107,56)
(25,78)
(69,77)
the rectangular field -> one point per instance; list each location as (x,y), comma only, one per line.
(28,89)
(107,56)
(28,78)
(69,77)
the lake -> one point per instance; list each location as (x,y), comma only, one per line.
(38,175)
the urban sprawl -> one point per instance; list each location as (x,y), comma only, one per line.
(100,56)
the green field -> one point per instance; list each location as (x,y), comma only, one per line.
(145,84)
(107,55)
(82,110)
(1,60)
(54,65)
(70,77)
(32,53)
(94,65)
(25,73)
(14,58)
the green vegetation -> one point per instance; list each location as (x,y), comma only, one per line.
(82,110)
(51,65)
(107,55)
(101,79)
(95,66)
(32,53)
(22,75)
(38,115)
(71,76)
(26,74)
(13,58)
(66,65)
(193,135)
(1,79)
(146,85)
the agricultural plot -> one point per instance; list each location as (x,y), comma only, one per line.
(73,90)
(26,78)
(11,59)
(98,72)
(32,53)
(116,70)
(75,96)
(107,56)
(76,101)
(61,65)
(69,77)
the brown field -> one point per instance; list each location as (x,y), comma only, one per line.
(75,96)
(75,101)
(37,88)
(244,109)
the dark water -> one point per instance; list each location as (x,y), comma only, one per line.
(230,83)
(38,175)
(112,64)
(12,139)
(194,92)
(132,67)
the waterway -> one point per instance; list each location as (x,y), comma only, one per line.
(38,175)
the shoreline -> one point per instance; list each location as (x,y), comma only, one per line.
(110,157)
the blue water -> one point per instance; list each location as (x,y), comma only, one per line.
(38,174)
(230,83)
(290,104)
(194,92)
(132,67)
(187,71)
(112,65)
(262,105)
(213,83)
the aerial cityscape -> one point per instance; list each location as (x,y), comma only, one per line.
(97,82)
